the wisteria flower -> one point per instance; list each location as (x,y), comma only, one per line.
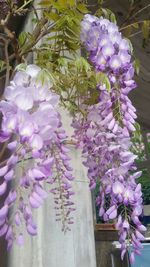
(32,126)
(106,132)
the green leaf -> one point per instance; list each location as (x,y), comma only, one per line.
(2,65)
(52,16)
(82,64)
(82,8)
(63,62)
(135,25)
(71,33)
(61,5)
(146,29)
(61,22)
(71,3)
(21,67)
(113,18)
(72,45)
(137,133)
(46,3)
(130,45)
(108,14)
(137,66)
(45,77)
(22,38)
(127,31)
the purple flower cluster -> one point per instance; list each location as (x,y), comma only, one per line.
(32,130)
(111,54)
(105,133)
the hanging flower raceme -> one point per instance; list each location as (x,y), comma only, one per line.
(105,133)
(32,131)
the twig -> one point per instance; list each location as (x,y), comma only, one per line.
(134,34)
(46,31)
(139,11)
(70,142)
(132,15)
(35,11)
(7,63)
(36,33)
(125,27)
(66,142)
(3,151)
(23,6)
(2,38)
(5,21)
(3,162)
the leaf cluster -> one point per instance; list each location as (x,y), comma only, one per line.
(75,80)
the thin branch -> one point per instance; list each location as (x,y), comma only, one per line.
(46,31)
(70,142)
(35,11)
(2,38)
(3,151)
(36,33)
(39,32)
(5,21)
(139,11)
(1,78)
(3,162)
(7,63)
(23,6)
(134,34)
(132,24)
(132,15)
